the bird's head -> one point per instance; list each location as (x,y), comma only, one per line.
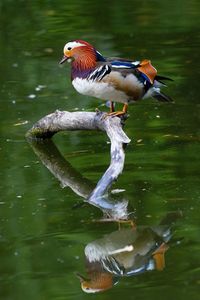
(79,51)
(97,283)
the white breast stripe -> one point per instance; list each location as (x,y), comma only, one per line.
(99,73)
(106,69)
(94,74)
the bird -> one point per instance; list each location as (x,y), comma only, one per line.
(112,79)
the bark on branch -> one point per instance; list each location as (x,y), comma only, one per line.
(70,121)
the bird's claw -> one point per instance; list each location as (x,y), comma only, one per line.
(119,114)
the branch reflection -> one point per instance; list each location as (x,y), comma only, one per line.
(68,176)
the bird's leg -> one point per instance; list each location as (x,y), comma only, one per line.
(112,107)
(129,222)
(125,108)
(119,113)
(159,256)
(118,221)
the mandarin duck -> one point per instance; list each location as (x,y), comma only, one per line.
(112,79)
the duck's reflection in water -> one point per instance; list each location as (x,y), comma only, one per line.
(126,252)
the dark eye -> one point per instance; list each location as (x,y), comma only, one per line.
(69,48)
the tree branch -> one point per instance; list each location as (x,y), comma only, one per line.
(64,120)
(70,121)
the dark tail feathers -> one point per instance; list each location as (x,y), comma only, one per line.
(160,96)
(160,78)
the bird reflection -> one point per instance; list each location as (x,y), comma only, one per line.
(126,252)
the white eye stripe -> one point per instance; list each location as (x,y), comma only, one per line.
(73,45)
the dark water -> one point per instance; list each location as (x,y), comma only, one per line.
(42,235)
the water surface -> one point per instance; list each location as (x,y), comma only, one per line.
(42,236)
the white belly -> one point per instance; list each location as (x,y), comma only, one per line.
(100,90)
(114,87)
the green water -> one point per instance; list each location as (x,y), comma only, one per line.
(42,235)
